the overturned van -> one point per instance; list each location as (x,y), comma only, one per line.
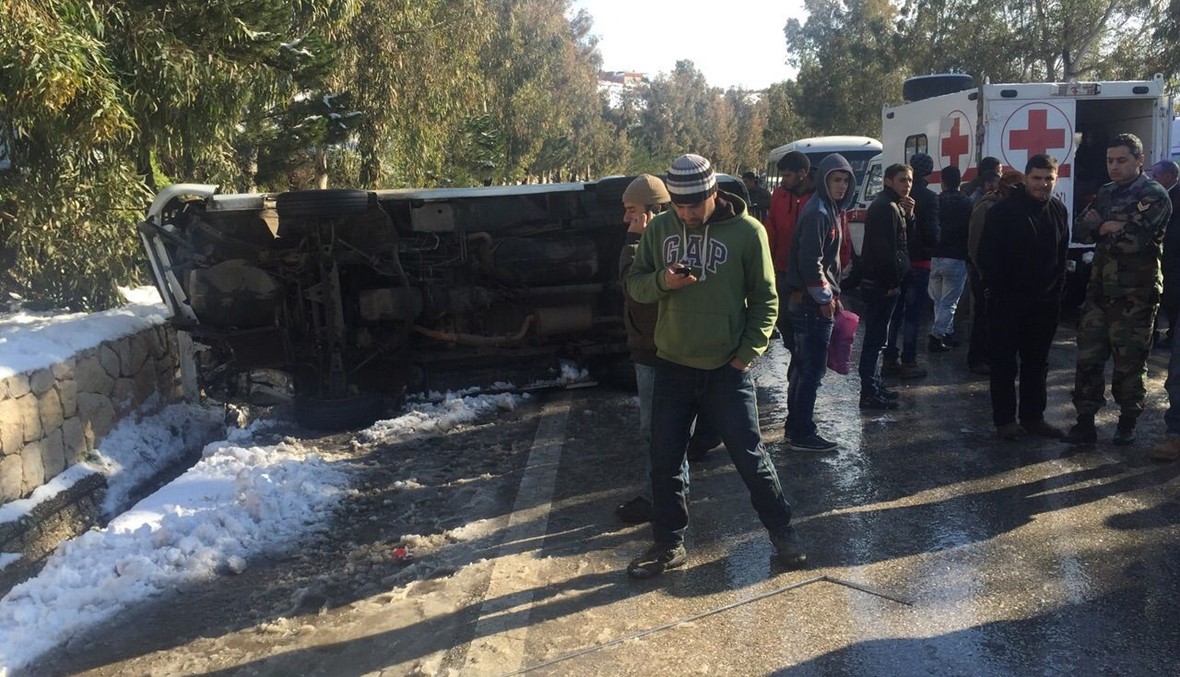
(348,299)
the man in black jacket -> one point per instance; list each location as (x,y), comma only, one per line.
(884,260)
(921,239)
(948,268)
(1022,262)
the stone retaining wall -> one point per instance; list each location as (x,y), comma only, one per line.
(52,417)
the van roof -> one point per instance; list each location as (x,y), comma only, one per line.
(828,144)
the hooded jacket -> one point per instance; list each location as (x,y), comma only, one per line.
(730,311)
(1022,249)
(814,262)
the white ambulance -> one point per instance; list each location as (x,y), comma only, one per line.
(957,124)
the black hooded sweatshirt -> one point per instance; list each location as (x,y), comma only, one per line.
(1023,248)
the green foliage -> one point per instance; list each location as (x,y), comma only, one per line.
(104,101)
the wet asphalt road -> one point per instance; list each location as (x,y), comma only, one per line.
(935,548)
(966,554)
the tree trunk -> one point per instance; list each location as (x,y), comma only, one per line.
(321,164)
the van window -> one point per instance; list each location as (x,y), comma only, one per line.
(874,182)
(915,144)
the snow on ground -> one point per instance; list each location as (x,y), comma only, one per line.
(241,500)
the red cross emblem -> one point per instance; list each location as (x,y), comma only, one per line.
(1038,138)
(1039,127)
(956,144)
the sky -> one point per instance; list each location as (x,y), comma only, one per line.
(242,499)
(732,45)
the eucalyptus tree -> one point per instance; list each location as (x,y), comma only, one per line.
(413,69)
(751,112)
(1049,40)
(541,67)
(783,121)
(104,98)
(676,114)
(850,55)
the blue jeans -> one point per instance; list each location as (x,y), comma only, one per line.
(878,308)
(947,279)
(813,332)
(728,396)
(907,314)
(1172,385)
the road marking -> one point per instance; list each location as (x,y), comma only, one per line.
(502,628)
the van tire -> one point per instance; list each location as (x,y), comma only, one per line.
(927,86)
(336,414)
(322,204)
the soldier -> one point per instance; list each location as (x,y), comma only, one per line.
(1126,222)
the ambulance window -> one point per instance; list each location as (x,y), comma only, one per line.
(915,144)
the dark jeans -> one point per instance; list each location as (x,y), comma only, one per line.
(979,343)
(728,396)
(813,332)
(784,321)
(1024,329)
(878,308)
(907,315)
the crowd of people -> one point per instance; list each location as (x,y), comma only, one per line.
(710,278)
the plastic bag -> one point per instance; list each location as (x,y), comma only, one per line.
(844,325)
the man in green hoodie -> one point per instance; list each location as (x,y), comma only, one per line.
(707,265)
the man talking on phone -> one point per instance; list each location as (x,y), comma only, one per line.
(707,265)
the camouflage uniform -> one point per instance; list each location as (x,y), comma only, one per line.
(1122,297)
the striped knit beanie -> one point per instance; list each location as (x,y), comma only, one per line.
(691,180)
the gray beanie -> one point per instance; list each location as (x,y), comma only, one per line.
(691,179)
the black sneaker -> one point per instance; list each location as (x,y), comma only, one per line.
(657,559)
(790,551)
(635,511)
(813,442)
(935,345)
(888,394)
(1124,434)
(877,402)
(1082,432)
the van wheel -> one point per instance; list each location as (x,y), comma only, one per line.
(329,203)
(335,414)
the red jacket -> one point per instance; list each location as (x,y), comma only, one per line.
(780,224)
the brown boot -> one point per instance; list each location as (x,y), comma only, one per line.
(1167,450)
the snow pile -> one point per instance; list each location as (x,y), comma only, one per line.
(238,501)
(33,340)
(434,418)
(133,452)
